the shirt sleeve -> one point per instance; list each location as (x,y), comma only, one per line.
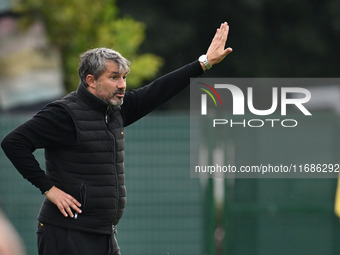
(52,126)
(139,102)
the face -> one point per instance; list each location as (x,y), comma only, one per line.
(110,85)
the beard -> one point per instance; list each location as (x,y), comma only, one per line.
(111,98)
(115,102)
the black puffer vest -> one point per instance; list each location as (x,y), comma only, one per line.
(92,171)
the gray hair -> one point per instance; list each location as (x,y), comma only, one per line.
(93,62)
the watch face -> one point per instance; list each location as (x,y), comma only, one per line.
(203,58)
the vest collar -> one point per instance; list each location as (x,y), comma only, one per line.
(91,99)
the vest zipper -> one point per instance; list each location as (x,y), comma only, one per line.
(114,161)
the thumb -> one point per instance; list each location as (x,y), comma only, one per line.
(227,51)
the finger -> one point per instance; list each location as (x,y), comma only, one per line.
(217,34)
(223,24)
(75,207)
(220,37)
(62,210)
(72,203)
(229,50)
(225,32)
(222,27)
(69,211)
(67,204)
(73,200)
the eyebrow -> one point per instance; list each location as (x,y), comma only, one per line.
(119,73)
(115,73)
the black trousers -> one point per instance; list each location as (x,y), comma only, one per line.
(53,240)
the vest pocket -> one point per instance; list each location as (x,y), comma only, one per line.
(82,193)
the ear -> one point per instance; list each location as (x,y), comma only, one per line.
(91,81)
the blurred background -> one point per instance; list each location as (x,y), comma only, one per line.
(167,212)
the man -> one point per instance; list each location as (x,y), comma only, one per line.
(83,138)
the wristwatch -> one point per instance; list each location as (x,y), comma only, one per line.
(204,60)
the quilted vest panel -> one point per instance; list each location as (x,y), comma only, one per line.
(92,171)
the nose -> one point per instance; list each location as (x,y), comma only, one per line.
(122,83)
